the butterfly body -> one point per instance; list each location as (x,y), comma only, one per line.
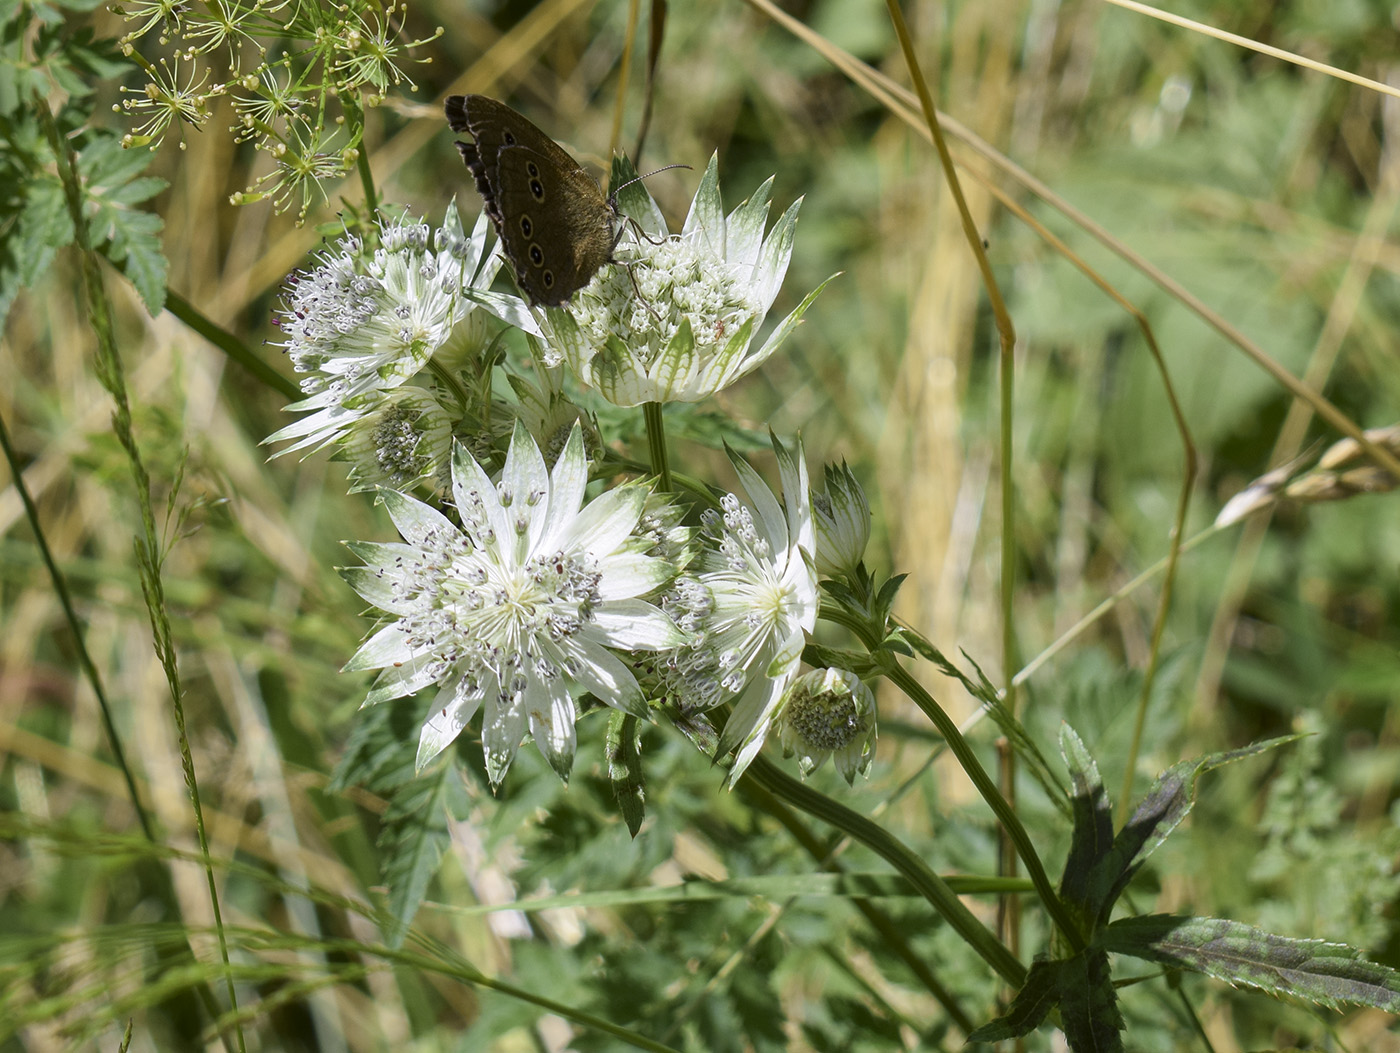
(556,226)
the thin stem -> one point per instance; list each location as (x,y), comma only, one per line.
(895,939)
(928,884)
(960,748)
(229,344)
(656,444)
(355,114)
(1006,334)
(65,599)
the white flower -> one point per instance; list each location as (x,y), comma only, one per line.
(518,609)
(359,325)
(405,439)
(829,713)
(842,519)
(749,607)
(703,296)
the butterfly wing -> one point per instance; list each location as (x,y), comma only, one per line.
(555,225)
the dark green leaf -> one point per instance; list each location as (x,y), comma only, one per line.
(624,754)
(1028,1009)
(1092,837)
(1088,1006)
(1168,802)
(1330,974)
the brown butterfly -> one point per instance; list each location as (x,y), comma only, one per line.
(555,224)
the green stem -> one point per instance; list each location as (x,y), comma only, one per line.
(229,344)
(656,444)
(960,748)
(895,938)
(918,873)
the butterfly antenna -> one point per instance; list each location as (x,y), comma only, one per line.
(637,179)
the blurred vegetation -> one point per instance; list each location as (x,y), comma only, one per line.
(1266,190)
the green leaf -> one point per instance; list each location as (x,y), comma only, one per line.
(1330,974)
(129,236)
(413,838)
(624,754)
(1168,802)
(1092,837)
(1028,1009)
(36,222)
(1088,1006)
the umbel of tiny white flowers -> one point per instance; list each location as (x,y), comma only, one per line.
(829,713)
(841,515)
(748,607)
(517,611)
(675,320)
(359,325)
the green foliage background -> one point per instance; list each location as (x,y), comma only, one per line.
(1246,179)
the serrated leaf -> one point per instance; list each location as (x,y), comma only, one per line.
(128,236)
(413,838)
(1028,1009)
(624,755)
(1167,803)
(1092,836)
(1089,1012)
(1329,974)
(38,225)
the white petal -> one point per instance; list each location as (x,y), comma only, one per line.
(502,728)
(745,228)
(416,521)
(630,574)
(449,716)
(471,484)
(777,253)
(607,520)
(771,521)
(385,648)
(707,211)
(635,625)
(748,723)
(526,480)
(566,483)
(602,674)
(551,714)
(797,497)
(396,681)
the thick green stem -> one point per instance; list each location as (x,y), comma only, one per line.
(656,444)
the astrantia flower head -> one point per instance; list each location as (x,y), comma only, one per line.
(517,611)
(841,515)
(404,440)
(360,324)
(749,607)
(674,321)
(829,713)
